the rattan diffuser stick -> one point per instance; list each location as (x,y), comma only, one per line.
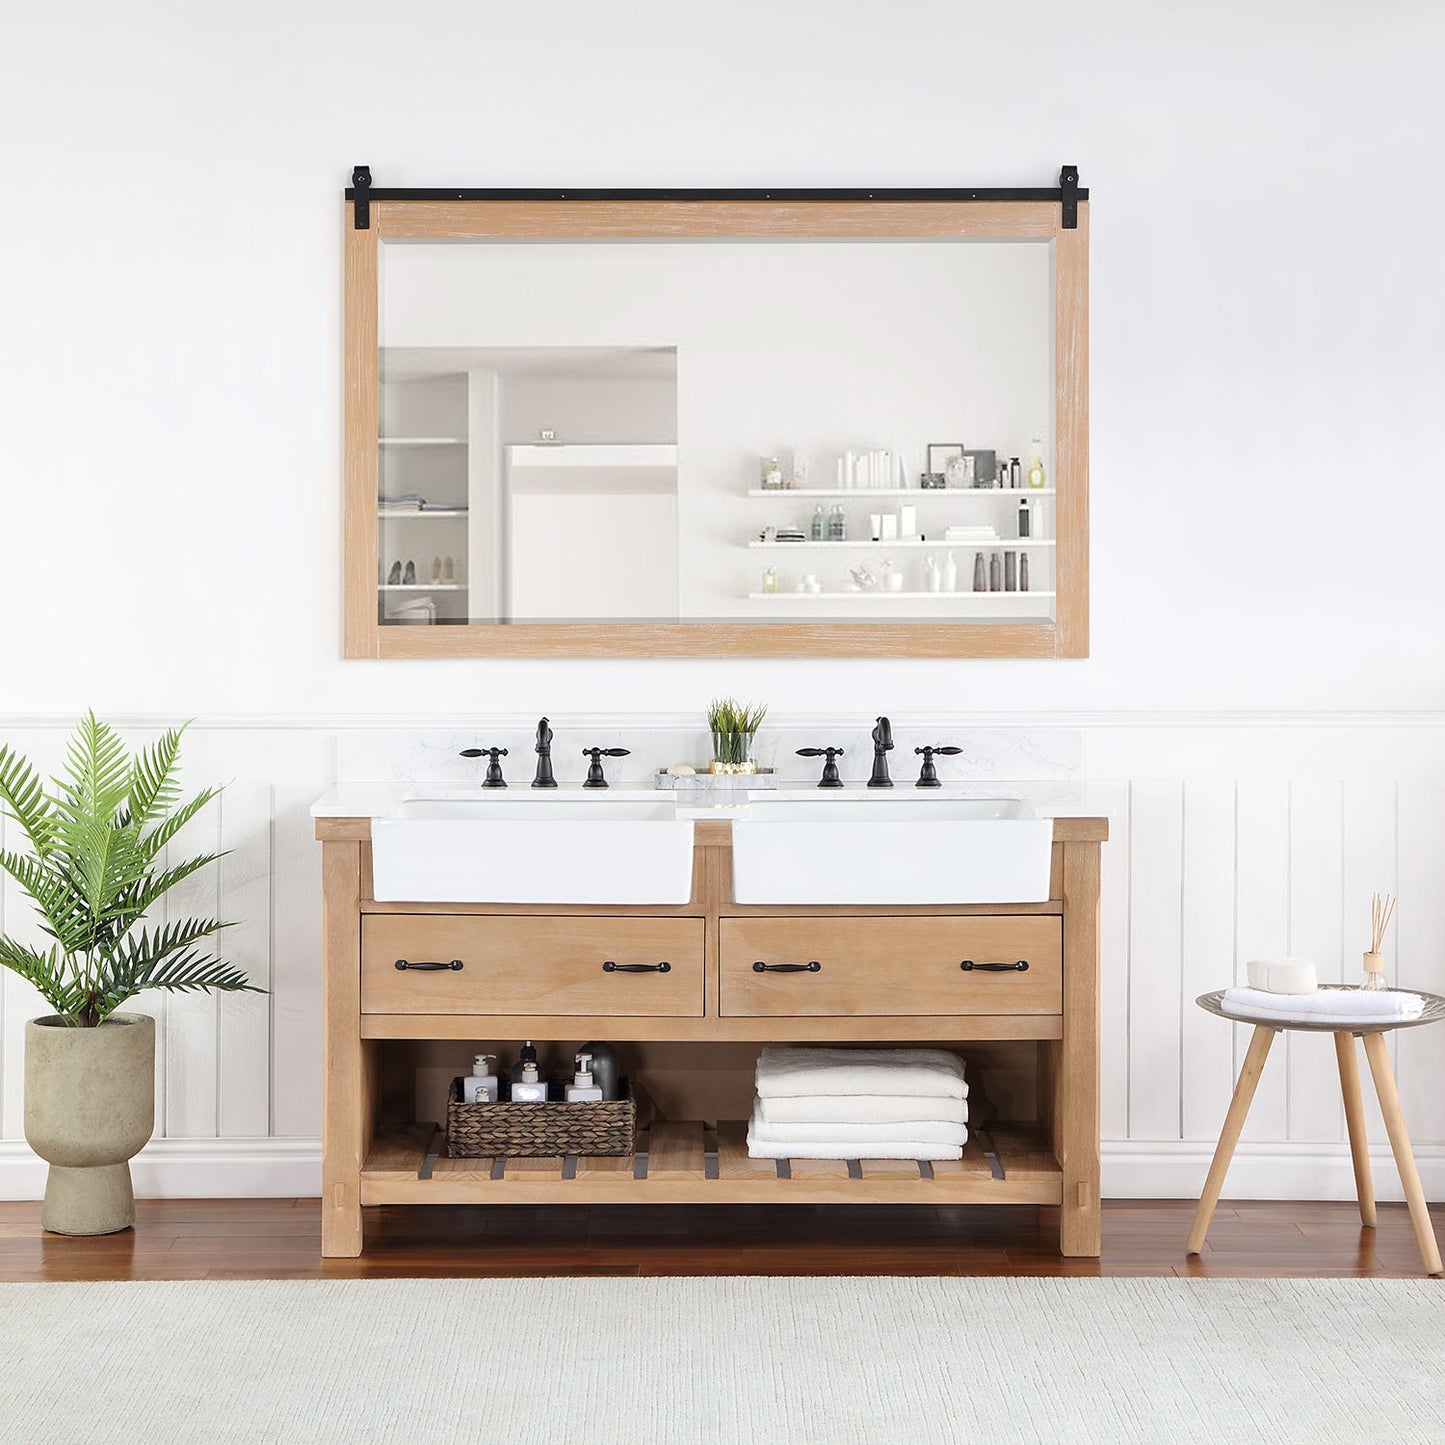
(1382,910)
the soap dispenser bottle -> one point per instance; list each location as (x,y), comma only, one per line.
(582,1090)
(527,1056)
(818,528)
(604,1069)
(481,1086)
(531,1088)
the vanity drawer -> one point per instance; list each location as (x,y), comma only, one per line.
(891,966)
(532,965)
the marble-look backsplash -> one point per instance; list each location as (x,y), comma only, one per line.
(432,754)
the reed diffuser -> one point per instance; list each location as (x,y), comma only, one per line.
(1382,910)
(734,725)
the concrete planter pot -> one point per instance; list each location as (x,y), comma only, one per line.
(89,1108)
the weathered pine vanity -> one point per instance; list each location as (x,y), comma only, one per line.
(895,973)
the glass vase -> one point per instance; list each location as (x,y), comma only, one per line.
(733,753)
(1374,973)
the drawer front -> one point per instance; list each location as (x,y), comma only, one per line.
(532,965)
(888,966)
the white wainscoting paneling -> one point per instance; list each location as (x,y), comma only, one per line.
(1218,853)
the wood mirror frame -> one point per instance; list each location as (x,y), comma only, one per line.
(372,216)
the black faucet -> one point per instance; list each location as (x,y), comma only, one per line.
(595,776)
(882,746)
(830,778)
(928,774)
(494,778)
(544,778)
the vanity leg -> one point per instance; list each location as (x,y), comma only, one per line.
(346,1061)
(1355,1122)
(1379,1058)
(1074,1077)
(1229,1135)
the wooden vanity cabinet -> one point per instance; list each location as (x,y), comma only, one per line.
(707,972)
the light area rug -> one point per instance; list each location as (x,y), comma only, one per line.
(636,1361)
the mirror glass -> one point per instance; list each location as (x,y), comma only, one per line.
(687,431)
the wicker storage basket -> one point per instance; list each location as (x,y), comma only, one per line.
(535,1130)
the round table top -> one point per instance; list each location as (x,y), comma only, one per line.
(1433,1012)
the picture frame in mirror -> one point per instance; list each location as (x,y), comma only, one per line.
(984,464)
(939,457)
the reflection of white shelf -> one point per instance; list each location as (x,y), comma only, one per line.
(877,596)
(421,441)
(976,544)
(863,494)
(421,587)
(640,454)
(395,512)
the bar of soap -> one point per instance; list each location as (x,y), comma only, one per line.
(680,770)
(1282,975)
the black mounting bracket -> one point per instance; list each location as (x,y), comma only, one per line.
(1069,195)
(1068,192)
(360,195)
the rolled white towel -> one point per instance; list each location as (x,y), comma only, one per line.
(861,1109)
(840,1149)
(859,1136)
(1346,1004)
(933,1073)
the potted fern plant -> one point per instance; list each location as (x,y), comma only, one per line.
(95,867)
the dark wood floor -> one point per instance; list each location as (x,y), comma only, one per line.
(280,1239)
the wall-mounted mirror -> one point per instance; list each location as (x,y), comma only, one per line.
(727,427)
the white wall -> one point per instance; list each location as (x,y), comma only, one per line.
(1265,338)
(1266,365)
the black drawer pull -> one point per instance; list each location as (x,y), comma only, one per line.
(814,967)
(969,966)
(429,966)
(610,967)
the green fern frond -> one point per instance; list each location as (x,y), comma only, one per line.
(154,787)
(150,844)
(47,971)
(51,891)
(135,901)
(23,796)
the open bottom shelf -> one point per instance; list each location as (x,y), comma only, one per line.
(691,1163)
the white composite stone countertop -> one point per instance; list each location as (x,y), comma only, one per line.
(382,800)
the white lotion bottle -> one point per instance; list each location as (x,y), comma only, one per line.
(481,1086)
(531,1088)
(582,1090)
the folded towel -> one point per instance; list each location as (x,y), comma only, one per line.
(862,1109)
(857,1136)
(1346,1004)
(838,1149)
(935,1073)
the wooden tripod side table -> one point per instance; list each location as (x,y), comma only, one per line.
(1373,1035)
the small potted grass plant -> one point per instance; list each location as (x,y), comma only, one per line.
(734,725)
(95,867)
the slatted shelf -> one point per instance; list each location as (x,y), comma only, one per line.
(691,1163)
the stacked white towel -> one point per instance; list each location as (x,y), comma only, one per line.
(859,1104)
(1327,1005)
